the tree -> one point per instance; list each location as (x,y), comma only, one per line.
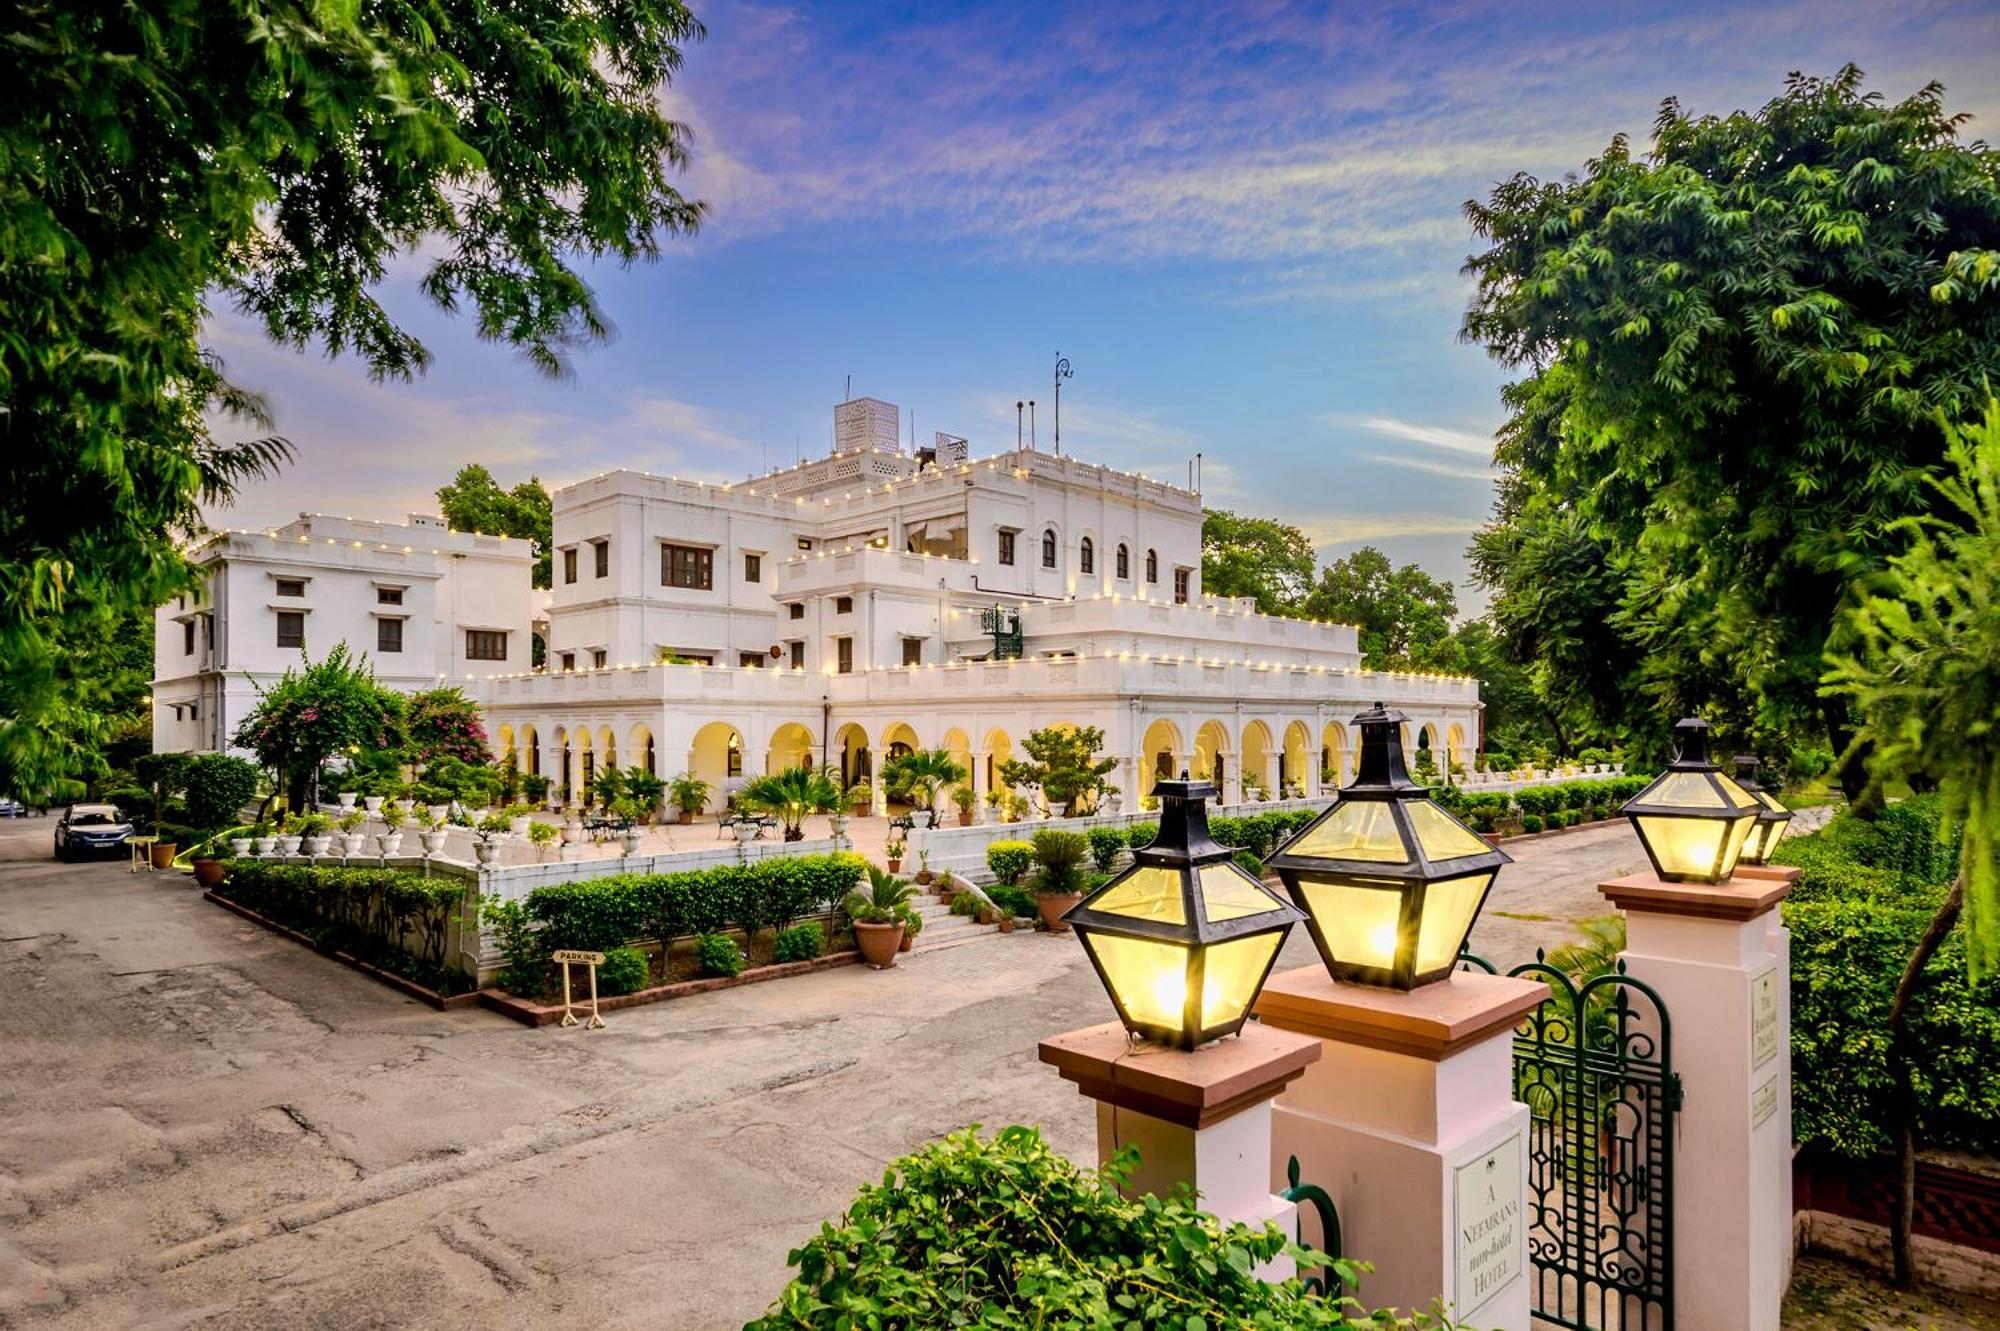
(218,786)
(1404,614)
(474,501)
(1924,675)
(82,707)
(1733,348)
(1269,561)
(920,774)
(330,706)
(444,723)
(1063,761)
(791,795)
(156,154)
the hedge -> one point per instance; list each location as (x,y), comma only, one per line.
(370,912)
(1866,892)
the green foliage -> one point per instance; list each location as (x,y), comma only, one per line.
(1248,861)
(801,942)
(1404,615)
(1011,900)
(1141,835)
(444,723)
(1105,844)
(917,776)
(791,795)
(1063,761)
(474,501)
(1735,344)
(1271,562)
(1006,1232)
(644,789)
(1924,670)
(308,715)
(883,900)
(717,954)
(1008,860)
(1258,833)
(623,971)
(1532,822)
(396,919)
(1061,855)
(688,792)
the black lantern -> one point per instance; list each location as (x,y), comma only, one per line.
(1693,820)
(1390,882)
(1184,938)
(1771,815)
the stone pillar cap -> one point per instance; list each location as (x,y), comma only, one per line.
(1431,1021)
(1738,899)
(1190,1089)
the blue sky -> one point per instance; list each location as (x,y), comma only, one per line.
(1240,222)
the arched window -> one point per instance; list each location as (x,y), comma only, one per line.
(1152,566)
(1124,562)
(1086,557)
(1049,548)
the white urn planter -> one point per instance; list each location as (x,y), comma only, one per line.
(433,841)
(746,833)
(347,798)
(484,849)
(438,812)
(372,803)
(288,845)
(351,843)
(629,839)
(569,833)
(264,845)
(518,826)
(316,846)
(390,842)
(239,846)
(839,821)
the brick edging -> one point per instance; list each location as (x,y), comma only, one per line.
(535,1014)
(408,987)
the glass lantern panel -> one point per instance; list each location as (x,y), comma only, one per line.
(1683,790)
(1702,848)
(1359,922)
(1226,894)
(1151,893)
(1738,835)
(1770,801)
(1449,906)
(1355,830)
(1230,973)
(1149,978)
(1441,836)
(1738,797)
(1762,840)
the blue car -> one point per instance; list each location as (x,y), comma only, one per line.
(91,829)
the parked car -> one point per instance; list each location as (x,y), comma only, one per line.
(90,829)
(10,808)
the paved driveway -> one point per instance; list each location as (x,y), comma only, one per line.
(203,1125)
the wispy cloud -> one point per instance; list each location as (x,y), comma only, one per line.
(1427,465)
(1416,432)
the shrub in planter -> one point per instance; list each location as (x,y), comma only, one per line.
(1008,860)
(1006,1232)
(1010,900)
(1531,822)
(1105,843)
(1061,855)
(624,971)
(801,942)
(717,954)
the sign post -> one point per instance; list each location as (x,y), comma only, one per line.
(568,958)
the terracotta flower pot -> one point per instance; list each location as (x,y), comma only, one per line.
(1052,905)
(909,941)
(1006,924)
(965,818)
(878,943)
(685,816)
(895,866)
(163,854)
(208,872)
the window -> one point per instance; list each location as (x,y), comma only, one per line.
(798,609)
(750,660)
(843,605)
(568,663)
(843,655)
(187,638)
(291,586)
(1152,566)
(485,645)
(291,628)
(597,659)
(1086,557)
(569,565)
(1124,568)
(1049,549)
(735,762)
(1180,586)
(798,652)
(388,635)
(805,543)
(913,651)
(1007,547)
(388,596)
(687,566)
(600,552)
(753,568)
(194,711)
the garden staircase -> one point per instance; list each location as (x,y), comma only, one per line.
(943,929)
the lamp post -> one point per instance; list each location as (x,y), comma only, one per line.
(1693,820)
(1390,882)
(1772,817)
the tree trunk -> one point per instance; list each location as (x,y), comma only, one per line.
(1904,1104)
(1850,762)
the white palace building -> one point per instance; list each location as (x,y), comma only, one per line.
(882,599)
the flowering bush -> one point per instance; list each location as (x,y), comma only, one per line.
(444,723)
(308,715)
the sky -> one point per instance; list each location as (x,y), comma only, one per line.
(1240,222)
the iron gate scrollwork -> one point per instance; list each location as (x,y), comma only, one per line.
(1594,1066)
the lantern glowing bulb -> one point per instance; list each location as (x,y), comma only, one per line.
(1772,816)
(1693,820)
(1183,939)
(1390,882)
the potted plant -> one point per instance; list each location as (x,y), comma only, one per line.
(390,839)
(967,800)
(861,798)
(924,875)
(630,811)
(790,795)
(913,924)
(239,846)
(288,836)
(350,833)
(208,870)
(877,917)
(1061,855)
(540,835)
(347,798)
(920,775)
(689,794)
(313,834)
(486,845)
(893,852)
(373,804)
(516,817)
(432,833)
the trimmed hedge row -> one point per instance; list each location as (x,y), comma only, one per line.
(369,912)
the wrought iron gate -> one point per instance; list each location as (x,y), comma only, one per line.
(1594,1066)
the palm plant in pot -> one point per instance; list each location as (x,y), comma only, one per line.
(1059,886)
(689,794)
(790,796)
(877,914)
(919,775)
(861,798)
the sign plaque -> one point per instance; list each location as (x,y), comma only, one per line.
(1764,1018)
(1763,1103)
(568,957)
(1488,1232)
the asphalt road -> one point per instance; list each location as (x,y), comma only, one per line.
(204,1125)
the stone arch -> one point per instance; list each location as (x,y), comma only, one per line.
(791,746)
(1454,745)
(586,764)
(1256,746)
(607,748)
(640,750)
(1295,759)
(852,754)
(503,742)
(1427,743)
(1335,758)
(715,754)
(898,738)
(1160,754)
(1210,761)
(999,749)
(531,745)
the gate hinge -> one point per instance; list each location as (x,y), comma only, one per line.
(1674,1097)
